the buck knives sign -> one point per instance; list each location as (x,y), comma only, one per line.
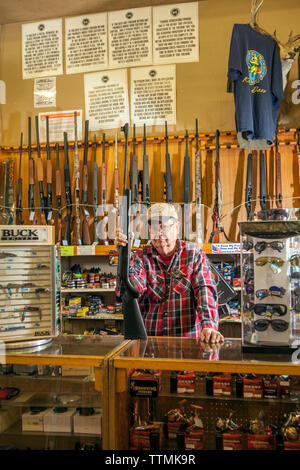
(10,234)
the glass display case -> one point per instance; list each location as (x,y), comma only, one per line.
(55,396)
(178,393)
(270,269)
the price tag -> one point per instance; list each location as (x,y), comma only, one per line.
(86,250)
(67,251)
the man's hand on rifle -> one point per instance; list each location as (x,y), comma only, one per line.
(209,335)
(121,239)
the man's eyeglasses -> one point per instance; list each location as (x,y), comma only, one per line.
(164,227)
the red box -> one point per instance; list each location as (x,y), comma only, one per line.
(140,439)
(291,445)
(233,440)
(252,388)
(194,438)
(260,442)
(186,382)
(222,385)
(144,384)
(173,429)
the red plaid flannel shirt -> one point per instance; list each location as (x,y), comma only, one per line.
(178,300)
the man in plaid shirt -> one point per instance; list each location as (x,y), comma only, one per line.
(178,293)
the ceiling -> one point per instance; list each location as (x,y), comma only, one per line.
(21,11)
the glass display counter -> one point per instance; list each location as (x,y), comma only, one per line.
(178,393)
(55,396)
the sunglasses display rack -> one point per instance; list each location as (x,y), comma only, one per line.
(29,296)
(270,261)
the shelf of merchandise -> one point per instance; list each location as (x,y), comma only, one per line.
(98,316)
(86,289)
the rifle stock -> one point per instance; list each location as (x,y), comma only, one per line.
(198,190)
(187,195)
(249,188)
(278,185)
(19,209)
(134,327)
(217,211)
(77,237)
(86,239)
(145,174)
(58,194)
(49,177)
(262,181)
(168,175)
(31,207)
(67,238)
(95,190)
(40,173)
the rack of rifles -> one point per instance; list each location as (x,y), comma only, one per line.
(75,220)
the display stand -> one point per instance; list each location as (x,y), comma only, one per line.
(270,271)
(28,286)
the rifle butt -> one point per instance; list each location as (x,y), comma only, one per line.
(134,327)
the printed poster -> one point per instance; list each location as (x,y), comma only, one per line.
(44,92)
(42,49)
(86,43)
(175,33)
(130,37)
(153,95)
(106,99)
(60,122)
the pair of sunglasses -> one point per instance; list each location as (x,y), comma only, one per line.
(262,260)
(277,324)
(273,291)
(261,309)
(273,214)
(275,245)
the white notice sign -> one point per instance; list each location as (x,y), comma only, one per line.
(175,33)
(130,37)
(42,49)
(60,122)
(44,92)
(86,43)
(153,95)
(106,99)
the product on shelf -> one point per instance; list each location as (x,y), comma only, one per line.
(219,384)
(291,431)
(229,436)
(186,382)
(144,382)
(260,436)
(194,434)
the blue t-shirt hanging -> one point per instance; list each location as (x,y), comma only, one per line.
(255,68)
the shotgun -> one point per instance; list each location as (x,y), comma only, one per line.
(67,238)
(217,211)
(95,190)
(50,219)
(134,171)
(187,190)
(198,190)
(278,185)
(40,173)
(134,327)
(58,194)
(249,187)
(262,181)
(101,229)
(19,209)
(77,238)
(86,239)
(168,175)
(116,178)
(145,174)
(31,207)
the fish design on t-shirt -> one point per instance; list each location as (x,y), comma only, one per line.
(257,68)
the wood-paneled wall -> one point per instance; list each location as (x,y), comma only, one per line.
(233,168)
